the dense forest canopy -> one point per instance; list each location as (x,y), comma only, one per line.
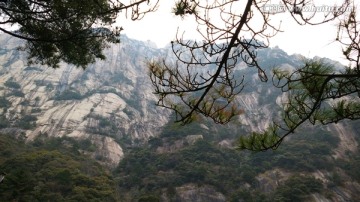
(57,169)
(52,169)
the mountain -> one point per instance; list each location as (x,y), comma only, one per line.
(111,102)
(109,109)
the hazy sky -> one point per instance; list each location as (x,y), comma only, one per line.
(161,26)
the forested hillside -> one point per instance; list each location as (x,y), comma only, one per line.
(179,166)
(303,169)
(52,169)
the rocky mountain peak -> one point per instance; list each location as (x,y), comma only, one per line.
(111,98)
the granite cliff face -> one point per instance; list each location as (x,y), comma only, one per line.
(109,102)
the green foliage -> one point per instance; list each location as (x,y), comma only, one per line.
(12,84)
(184,7)
(145,171)
(69,95)
(64,144)
(305,152)
(297,188)
(144,174)
(4,103)
(10,147)
(149,198)
(35,110)
(260,141)
(178,131)
(17,93)
(249,195)
(308,91)
(51,173)
(49,87)
(64,176)
(29,68)
(63,30)
(106,127)
(201,163)
(25,103)
(351,166)
(4,123)
(26,122)
(335,180)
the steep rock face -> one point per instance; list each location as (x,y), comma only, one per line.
(347,135)
(111,99)
(257,117)
(60,118)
